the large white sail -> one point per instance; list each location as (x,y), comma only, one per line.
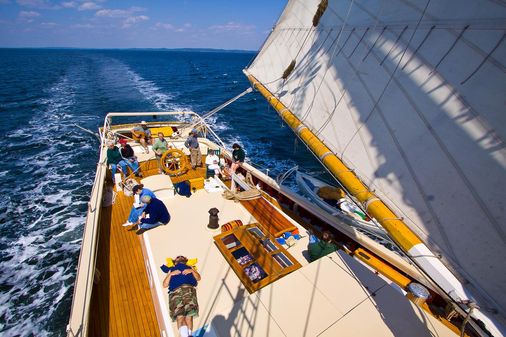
(411,96)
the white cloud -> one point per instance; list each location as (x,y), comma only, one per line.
(167,26)
(82,26)
(88,6)
(118,13)
(133,20)
(233,26)
(28,14)
(42,4)
(69,4)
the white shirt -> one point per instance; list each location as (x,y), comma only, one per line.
(213,161)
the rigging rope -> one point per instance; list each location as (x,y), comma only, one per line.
(222,106)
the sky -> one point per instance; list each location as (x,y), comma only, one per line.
(220,24)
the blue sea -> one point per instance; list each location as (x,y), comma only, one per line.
(49,163)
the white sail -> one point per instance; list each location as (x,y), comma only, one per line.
(411,96)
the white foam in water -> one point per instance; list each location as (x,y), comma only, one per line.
(43,215)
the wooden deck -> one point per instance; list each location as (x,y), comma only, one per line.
(121,302)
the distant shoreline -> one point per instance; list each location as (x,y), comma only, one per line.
(200,50)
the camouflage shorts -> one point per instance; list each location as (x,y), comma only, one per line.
(183,302)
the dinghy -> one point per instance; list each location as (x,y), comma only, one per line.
(342,208)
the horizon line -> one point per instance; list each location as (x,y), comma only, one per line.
(130,48)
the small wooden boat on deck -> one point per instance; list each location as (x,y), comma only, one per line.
(352,215)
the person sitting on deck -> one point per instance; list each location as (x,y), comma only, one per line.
(154,215)
(213,162)
(128,154)
(160,147)
(238,156)
(181,280)
(138,207)
(192,143)
(114,159)
(142,134)
(319,248)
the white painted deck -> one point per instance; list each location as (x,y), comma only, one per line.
(330,297)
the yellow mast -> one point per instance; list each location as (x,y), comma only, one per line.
(397,229)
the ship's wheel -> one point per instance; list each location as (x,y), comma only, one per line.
(175,162)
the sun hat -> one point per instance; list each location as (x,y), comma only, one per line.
(143,123)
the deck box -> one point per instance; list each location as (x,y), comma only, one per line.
(196,183)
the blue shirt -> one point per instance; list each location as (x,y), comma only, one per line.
(147,192)
(157,212)
(177,281)
(192,142)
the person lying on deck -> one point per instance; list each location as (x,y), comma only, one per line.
(181,280)
(138,207)
(154,215)
(319,248)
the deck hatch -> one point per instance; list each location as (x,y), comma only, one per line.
(255,256)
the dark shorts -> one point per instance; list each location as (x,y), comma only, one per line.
(183,302)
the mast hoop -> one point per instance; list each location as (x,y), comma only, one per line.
(369,201)
(300,128)
(329,153)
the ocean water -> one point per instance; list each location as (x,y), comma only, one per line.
(49,164)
